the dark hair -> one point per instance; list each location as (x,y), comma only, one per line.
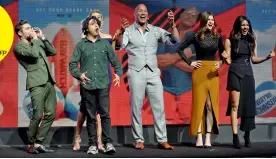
(202,28)
(235,34)
(19,25)
(85,24)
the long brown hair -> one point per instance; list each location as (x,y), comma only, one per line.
(202,28)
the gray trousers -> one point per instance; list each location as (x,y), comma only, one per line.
(44,101)
(147,81)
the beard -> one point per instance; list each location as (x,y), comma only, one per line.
(29,38)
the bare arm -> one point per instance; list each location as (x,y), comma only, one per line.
(175,33)
(227,54)
(256,60)
(117,39)
(123,39)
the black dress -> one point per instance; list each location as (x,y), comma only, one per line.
(241,78)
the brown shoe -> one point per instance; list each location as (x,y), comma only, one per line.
(139,145)
(165,146)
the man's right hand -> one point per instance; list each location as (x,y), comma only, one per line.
(84,79)
(39,33)
(33,34)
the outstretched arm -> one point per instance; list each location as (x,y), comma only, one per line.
(256,60)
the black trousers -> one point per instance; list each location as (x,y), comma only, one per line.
(97,101)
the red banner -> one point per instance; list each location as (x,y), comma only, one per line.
(9,79)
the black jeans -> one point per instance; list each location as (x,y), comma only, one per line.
(97,101)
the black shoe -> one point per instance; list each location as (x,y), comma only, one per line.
(247,142)
(43,149)
(200,146)
(236,141)
(205,146)
(32,150)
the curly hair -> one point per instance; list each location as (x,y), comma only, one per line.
(85,24)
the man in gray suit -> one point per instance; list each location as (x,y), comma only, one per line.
(31,51)
(141,41)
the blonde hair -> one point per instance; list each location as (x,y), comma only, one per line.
(97,11)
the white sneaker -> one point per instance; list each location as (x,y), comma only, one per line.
(110,149)
(92,150)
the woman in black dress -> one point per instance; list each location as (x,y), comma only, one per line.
(239,48)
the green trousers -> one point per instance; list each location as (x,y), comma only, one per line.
(43,103)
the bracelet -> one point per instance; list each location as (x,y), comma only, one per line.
(174,26)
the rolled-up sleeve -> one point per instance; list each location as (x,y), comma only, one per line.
(125,39)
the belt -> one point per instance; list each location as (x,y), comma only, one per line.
(241,61)
(147,66)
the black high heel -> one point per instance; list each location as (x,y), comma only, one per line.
(199,146)
(247,142)
(236,141)
(206,146)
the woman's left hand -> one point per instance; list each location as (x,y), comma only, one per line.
(218,64)
(271,54)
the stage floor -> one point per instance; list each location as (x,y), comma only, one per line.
(185,150)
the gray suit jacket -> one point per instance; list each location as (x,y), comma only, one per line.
(33,57)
